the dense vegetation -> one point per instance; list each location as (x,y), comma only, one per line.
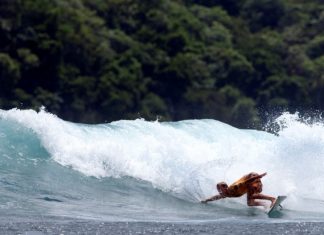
(102,60)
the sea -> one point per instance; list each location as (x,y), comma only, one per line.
(148,177)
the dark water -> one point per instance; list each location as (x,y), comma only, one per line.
(68,226)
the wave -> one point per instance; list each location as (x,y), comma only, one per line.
(182,159)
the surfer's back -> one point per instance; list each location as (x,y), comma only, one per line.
(241,186)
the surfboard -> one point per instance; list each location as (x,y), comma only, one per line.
(274,210)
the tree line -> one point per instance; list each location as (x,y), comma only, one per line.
(102,60)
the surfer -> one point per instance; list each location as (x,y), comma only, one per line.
(250,184)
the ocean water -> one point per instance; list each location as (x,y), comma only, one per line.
(155,172)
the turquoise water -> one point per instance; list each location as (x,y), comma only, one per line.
(137,170)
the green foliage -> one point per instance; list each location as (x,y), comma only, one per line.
(94,61)
(153,107)
(9,74)
(316,47)
(317,84)
(228,66)
(244,111)
(278,88)
(218,35)
(28,58)
(210,15)
(203,103)
(263,13)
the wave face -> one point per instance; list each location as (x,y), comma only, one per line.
(141,170)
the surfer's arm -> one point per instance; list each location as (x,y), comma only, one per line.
(213,198)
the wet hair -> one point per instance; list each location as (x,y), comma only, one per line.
(221,185)
(252,174)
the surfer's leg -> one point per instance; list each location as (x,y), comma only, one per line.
(252,202)
(263,197)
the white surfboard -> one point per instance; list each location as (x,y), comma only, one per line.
(276,207)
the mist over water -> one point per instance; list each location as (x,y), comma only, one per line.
(136,169)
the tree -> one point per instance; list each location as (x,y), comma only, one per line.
(9,74)
(263,13)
